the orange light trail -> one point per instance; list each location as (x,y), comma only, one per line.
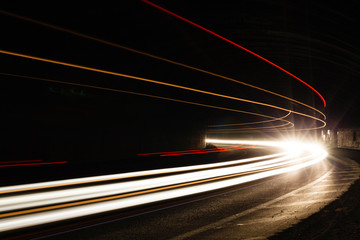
(139,94)
(237,45)
(156,82)
(152,56)
(169,99)
(283,126)
(146,80)
(251,123)
(278,127)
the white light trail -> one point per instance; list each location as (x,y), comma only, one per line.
(94,179)
(49,204)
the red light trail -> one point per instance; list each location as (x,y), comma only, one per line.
(186,151)
(206,151)
(112,44)
(194,151)
(20,161)
(31,164)
(235,44)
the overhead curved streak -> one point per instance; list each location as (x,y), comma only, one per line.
(153,56)
(237,45)
(252,123)
(139,94)
(155,82)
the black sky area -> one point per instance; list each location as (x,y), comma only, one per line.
(315,40)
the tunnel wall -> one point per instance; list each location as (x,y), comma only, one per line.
(348,138)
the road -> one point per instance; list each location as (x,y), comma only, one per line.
(254,209)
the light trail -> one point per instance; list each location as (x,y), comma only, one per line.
(159,82)
(200,152)
(102,41)
(237,45)
(31,164)
(50,203)
(143,79)
(251,123)
(137,93)
(223,128)
(278,127)
(275,128)
(28,205)
(188,151)
(20,161)
(61,183)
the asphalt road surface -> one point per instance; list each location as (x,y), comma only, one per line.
(255,210)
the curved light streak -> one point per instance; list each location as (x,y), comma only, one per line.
(111,177)
(138,78)
(139,94)
(189,151)
(209,151)
(21,161)
(251,123)
(275,128)
(31,164)
(153,56)
(155,82)
(237,45)
(158,97)
(48,204)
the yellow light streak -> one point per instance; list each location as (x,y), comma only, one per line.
(156,82)
(153,56)
(137,93)
(251,123)
(237,130)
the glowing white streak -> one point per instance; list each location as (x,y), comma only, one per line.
(289,146)
(249,172)
(129,175)
(82,193)
(83,210)
(247,142)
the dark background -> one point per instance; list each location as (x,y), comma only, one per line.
(315,40)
